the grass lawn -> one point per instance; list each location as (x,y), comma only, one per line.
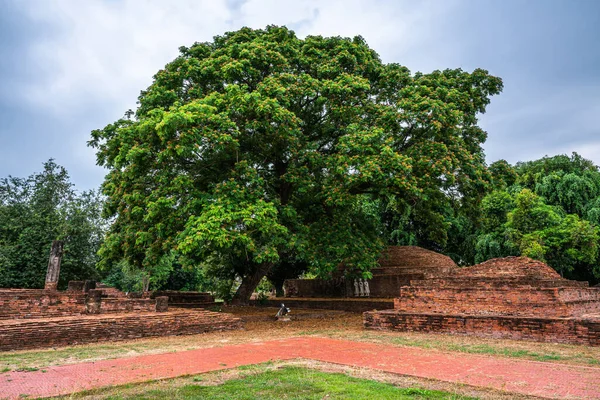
(282,383)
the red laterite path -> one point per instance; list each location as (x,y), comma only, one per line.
(515,376)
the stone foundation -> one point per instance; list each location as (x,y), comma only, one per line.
(54,332)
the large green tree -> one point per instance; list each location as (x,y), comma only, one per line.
(260,148)
(36,210)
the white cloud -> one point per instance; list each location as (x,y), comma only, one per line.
(108,51)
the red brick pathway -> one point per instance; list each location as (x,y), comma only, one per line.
(526,377)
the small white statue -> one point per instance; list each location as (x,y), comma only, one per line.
(361,287)
(367,290)
(356,288)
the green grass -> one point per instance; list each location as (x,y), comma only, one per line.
(493,350)
(542,354)
(286,383)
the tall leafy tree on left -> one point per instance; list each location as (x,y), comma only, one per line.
(41,208)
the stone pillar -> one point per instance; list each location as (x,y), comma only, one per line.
(53,273)
(93,303)
(162,303)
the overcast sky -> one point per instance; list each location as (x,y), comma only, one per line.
(68,67)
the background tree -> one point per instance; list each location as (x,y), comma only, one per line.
(548,211)
(36,210)
(262,149)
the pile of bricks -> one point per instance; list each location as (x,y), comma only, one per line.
(53,332)
(514,297)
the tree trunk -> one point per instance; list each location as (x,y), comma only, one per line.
(249,283)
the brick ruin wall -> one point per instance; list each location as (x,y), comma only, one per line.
(522,301)
(513,297)
(33,303)
(315,288)
(40,303)
(185,299)
(37,333)
(552,330)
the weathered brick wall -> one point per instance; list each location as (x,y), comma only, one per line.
(30,334)
(555,330)
(470,282)
(548,302)
(114,305)
(315,287)
(36,303)
(389,285)
(177,297)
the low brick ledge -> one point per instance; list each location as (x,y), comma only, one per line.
(351,304)
(551,330)
(65,331)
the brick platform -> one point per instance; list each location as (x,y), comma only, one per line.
(512,297)
(51,332)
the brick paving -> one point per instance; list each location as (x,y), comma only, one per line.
(548,380)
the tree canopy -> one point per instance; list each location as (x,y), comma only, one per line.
(261,149)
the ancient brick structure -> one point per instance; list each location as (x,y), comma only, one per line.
(513,297)
(31,318)
(34,303)
(50,332)
(398,266)
(186,299)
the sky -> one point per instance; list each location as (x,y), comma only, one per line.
(68,67)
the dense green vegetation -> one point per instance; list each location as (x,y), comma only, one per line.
(260,155)
(36,210)
(545,209)
(286,383)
